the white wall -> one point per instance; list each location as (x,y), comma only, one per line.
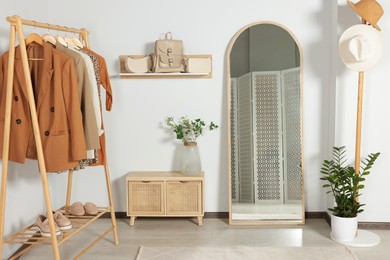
(376,126)
(135,138)
(136,141)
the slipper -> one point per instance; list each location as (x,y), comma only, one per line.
(90,208)
(77,209)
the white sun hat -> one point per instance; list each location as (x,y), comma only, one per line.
(360,47)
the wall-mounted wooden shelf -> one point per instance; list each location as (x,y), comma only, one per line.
(124,74)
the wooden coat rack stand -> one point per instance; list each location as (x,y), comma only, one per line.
(29,235)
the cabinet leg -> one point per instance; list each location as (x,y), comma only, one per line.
(132,220)
(200,221)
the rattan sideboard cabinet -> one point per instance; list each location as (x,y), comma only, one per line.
(165,194)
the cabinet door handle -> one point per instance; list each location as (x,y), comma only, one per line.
(184,181)
(145,181)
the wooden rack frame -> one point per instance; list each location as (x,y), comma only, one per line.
(27,235)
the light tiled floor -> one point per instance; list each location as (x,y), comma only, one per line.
(214,232)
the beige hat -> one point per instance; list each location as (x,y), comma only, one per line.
(360,47)
(369,10)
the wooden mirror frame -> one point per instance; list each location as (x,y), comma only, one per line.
(230,46)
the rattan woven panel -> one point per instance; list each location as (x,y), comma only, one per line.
(146,197)
(183,198)
(292,132)
(234,139)
(244,126)
(268,136)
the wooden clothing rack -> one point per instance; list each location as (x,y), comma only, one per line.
(29,235)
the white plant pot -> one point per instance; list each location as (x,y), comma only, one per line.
(344,229)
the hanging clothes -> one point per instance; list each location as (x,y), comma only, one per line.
(94,88)
(58,108)
(86,102)
(87,89)
(104,80)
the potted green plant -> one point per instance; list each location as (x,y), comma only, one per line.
(345,185)
(188,131)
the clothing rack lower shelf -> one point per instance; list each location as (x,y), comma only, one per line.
(30,236)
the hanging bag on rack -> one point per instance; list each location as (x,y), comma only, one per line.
(168,56)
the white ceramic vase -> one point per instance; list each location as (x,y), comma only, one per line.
(190,158)
(344,229)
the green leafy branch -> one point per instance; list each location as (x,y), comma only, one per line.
(188,130)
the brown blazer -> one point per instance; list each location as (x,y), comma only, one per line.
(58,108)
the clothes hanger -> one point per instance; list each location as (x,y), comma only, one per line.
(77,43)
(61,40)
(49,38)
(34,37)
(69,41)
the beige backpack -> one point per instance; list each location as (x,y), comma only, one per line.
(168,56)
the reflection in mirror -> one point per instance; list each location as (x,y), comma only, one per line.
(266,174)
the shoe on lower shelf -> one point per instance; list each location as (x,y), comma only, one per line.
(62,221)
(42,225)
(90,209)
(77,209)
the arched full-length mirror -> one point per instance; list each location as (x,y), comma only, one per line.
(264,68)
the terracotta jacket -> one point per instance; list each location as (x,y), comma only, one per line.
(58,107)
